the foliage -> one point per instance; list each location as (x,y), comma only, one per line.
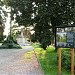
(43,15)
(22,9)
(28,55)
(55,12)
(2,38)
(48,61)
(36,45)
(3,13)
(66,59)
(45,40)
(42,35)
(1,29)
(10,43)
(42,32)
(33,39)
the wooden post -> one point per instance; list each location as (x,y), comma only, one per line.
(72,62)
(59,61)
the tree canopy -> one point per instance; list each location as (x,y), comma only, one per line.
(55,12)
(44,15)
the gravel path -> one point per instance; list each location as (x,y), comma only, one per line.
(13,62)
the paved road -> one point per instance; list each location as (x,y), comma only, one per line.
(13,63)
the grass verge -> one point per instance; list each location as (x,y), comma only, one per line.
(48,61)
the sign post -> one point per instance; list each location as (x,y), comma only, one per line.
(59,61)
(65,38)
(72,62)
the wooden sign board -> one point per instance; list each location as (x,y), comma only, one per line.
(65,37)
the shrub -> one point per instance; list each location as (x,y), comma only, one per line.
(36,45)
(33,39)
(44,38)
(66,59)
(10,43)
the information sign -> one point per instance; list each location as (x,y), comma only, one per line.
(65,37)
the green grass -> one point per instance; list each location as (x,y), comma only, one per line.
(48,61)
(28,55)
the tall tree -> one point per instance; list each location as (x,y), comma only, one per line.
(46,14)
(2,20)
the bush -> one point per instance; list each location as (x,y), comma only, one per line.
(2,38)
(36,45)
(66,59)
(10,43)
(43,38)
(45,43)
(33,39)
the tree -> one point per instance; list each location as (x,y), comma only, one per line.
(10,42)
(1,30)
(1,22)
(23,11)
(46,14)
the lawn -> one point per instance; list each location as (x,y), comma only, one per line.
(48,61)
